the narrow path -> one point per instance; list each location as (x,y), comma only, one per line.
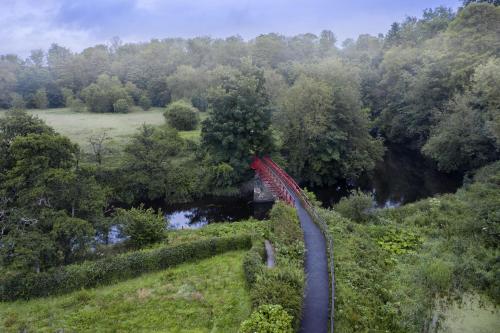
(270,262)
(317,296)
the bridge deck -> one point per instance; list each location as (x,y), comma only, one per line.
(317,296)
(315,311)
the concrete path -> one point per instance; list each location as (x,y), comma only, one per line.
(270,262)
(317,291)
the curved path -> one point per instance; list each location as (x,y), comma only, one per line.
(315,310)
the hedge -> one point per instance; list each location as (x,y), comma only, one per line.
(253,262)
(282,285)
(94,273)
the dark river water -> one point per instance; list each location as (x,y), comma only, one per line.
(403,176)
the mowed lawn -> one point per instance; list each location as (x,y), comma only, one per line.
(119,127)
(205,296)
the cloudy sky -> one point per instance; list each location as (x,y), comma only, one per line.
(32,24)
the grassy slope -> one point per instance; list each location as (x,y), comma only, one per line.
(207,296)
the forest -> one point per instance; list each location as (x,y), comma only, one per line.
(325,111)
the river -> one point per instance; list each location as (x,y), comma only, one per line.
(402,177)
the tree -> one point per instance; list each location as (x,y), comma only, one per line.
(493,2)
(181,116)
(97,143)
(17,123)
(72,236)
(102,95)
(238,126)
(121,106)
(41,101)
(269,50)
(147,167)
(17,102)
(141,226)
(486,89)
(331,140)
(460,141)
(187,82)
(144,102)
(326,42)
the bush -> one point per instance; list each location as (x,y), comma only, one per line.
(142,226)
(94,273)
(121,106)
(268,319)
(358,206)
(283,286)
(182,116)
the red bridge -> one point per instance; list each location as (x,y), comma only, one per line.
(319,299)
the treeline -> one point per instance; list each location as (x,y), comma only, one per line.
(431,83)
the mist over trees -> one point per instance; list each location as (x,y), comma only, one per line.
(428,83)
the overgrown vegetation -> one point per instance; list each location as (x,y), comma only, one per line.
(282,285)
(395,269)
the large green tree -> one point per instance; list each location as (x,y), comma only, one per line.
(325,131)
(238,125)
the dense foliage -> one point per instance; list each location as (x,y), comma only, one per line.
(282,285)
(268,319)
(401,266)
(111,269)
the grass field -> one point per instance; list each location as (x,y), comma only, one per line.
(119,127)
(206,296)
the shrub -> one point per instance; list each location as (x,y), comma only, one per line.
(358,206)
(283,286)
(268,319)
(142,226)
(182,116)
(121,106)
(94,273)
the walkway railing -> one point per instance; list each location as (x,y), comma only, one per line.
(279,181)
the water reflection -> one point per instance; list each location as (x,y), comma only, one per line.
(212,210)
(403,176)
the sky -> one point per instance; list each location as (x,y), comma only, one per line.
(35,24)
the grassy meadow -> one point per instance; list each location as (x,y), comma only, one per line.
(119,127)
(206,296)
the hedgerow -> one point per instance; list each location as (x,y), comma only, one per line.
(94,273)
(282,285)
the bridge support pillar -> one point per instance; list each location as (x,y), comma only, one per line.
(261,193)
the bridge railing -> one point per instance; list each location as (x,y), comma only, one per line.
(293,186)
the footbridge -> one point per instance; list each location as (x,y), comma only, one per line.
(318,308)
